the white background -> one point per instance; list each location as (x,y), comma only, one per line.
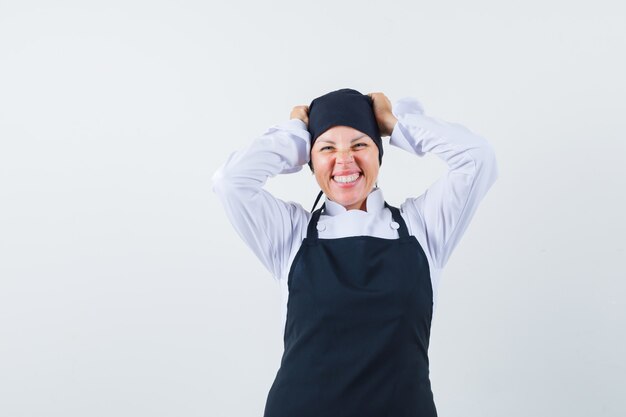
(124,291)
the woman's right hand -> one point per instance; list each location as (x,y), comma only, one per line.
(300,112)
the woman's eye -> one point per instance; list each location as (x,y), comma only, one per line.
(360,144)
(326,147)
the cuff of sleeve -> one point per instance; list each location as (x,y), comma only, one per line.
(294,125)
(401,136)
(298,127)
(300,138)
(407,105)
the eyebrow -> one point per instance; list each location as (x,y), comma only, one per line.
(332,141)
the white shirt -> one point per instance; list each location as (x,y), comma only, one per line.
(274,229)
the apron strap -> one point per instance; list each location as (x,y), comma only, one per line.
(311,232)
(316,200)
(397,217)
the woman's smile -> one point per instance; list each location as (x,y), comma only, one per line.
(347,181)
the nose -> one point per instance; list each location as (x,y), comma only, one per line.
(345,156)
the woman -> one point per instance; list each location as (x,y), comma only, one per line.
(358,277)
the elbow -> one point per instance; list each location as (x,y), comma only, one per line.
(488,162)
(228,183)
(219,181)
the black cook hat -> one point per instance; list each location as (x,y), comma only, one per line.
(345,107)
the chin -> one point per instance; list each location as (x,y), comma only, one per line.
(349,203)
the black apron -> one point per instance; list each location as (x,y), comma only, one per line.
(357,330)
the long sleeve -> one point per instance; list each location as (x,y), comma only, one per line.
(268,225)
(448,205)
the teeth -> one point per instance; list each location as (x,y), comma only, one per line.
(346,178)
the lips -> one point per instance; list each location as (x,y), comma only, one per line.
(349,180)
(346,172)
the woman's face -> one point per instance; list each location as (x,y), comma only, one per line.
(345,163)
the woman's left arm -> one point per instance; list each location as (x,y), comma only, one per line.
(448,205)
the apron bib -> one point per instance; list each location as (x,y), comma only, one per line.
(357,329)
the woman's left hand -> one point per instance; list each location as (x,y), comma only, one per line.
(382,111)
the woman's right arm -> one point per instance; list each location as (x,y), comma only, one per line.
(268,225)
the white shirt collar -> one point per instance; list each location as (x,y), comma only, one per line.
(374,203)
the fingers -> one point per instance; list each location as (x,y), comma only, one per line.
(302,107)
(378,97)
(300,112)
(383,112)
